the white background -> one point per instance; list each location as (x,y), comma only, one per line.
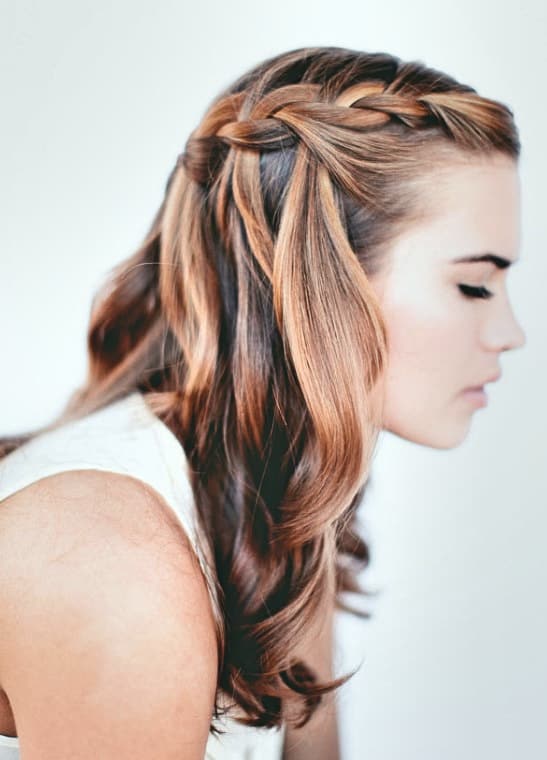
(97,100)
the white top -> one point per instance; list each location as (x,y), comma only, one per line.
(127,437)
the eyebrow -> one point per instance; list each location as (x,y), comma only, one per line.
(498,261)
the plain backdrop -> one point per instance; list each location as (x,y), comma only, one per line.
(98,99)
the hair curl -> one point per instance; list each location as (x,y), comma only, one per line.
(248,320)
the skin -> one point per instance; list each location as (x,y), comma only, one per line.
(440,341)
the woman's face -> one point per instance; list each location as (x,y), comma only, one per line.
(442,341)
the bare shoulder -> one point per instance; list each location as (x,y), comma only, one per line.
(107,637)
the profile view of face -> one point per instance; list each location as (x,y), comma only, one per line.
(443,341)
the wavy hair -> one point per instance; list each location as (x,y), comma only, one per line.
(248,320)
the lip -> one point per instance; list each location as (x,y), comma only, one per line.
(477,396)
(480,386)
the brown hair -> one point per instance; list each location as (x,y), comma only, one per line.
(248,319)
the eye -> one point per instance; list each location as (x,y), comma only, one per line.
(472,292)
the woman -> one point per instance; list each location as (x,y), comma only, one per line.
(329,261)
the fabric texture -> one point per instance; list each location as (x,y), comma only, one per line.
(127,437)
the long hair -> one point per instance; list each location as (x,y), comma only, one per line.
(248,320)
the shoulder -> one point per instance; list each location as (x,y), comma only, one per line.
(107,639)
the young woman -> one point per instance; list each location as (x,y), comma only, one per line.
(329,261)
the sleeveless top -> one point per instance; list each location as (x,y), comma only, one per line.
(127,437)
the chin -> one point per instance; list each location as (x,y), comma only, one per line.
(438,438)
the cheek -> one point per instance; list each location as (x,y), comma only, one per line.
(427,342)
(425,373)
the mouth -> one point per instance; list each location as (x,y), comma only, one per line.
(476,395)
(480,387)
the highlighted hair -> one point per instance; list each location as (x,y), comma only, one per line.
(248,319)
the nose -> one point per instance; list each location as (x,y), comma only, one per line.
(502,331)
(516,335)
(519,340)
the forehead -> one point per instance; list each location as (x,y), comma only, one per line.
(466,207)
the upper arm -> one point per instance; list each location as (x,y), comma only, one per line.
(107,644)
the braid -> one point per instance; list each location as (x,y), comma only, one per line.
(333,130)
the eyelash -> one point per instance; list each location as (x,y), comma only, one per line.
(471,292)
